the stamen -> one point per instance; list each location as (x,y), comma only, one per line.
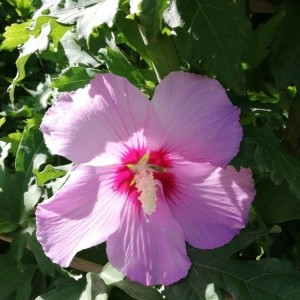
(146,186)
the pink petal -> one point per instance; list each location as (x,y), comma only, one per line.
(80,125)
(80,215)
(195,119)
(150,252)
(211,204)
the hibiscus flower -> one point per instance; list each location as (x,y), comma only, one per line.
(148,176)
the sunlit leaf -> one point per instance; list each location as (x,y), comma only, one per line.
(37,41)
(75,53)
(110,275)
(2,121)
(114,278)
(95,288)
(15,36)
(14,139)
(96,15)
(86,14)
(33,44)
(47,174)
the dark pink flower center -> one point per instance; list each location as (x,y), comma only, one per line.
(155,163)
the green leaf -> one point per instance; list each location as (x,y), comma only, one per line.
(73,78)
(285,62)
(18,245)
(270,156)
(262,37)
(245,156)
(138,291)
(68,289)
(22,112)
(31,154)
(159,53)
(163,55)
(132,35)
(15,279)
(270,279)
(47,174)
(245,238)
(209,290)
(275,203)
(215,32)
(23,7)
(86,14)
(20,240)
(10,196)
(17,196)
(44,262)
(119,64)
(15,35)
(158,50)
(32,151)
(151,17)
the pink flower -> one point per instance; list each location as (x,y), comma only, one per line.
(148,176)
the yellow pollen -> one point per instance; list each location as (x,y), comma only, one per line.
(146,186)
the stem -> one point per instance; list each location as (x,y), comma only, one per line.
(85,265)
(76,263)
